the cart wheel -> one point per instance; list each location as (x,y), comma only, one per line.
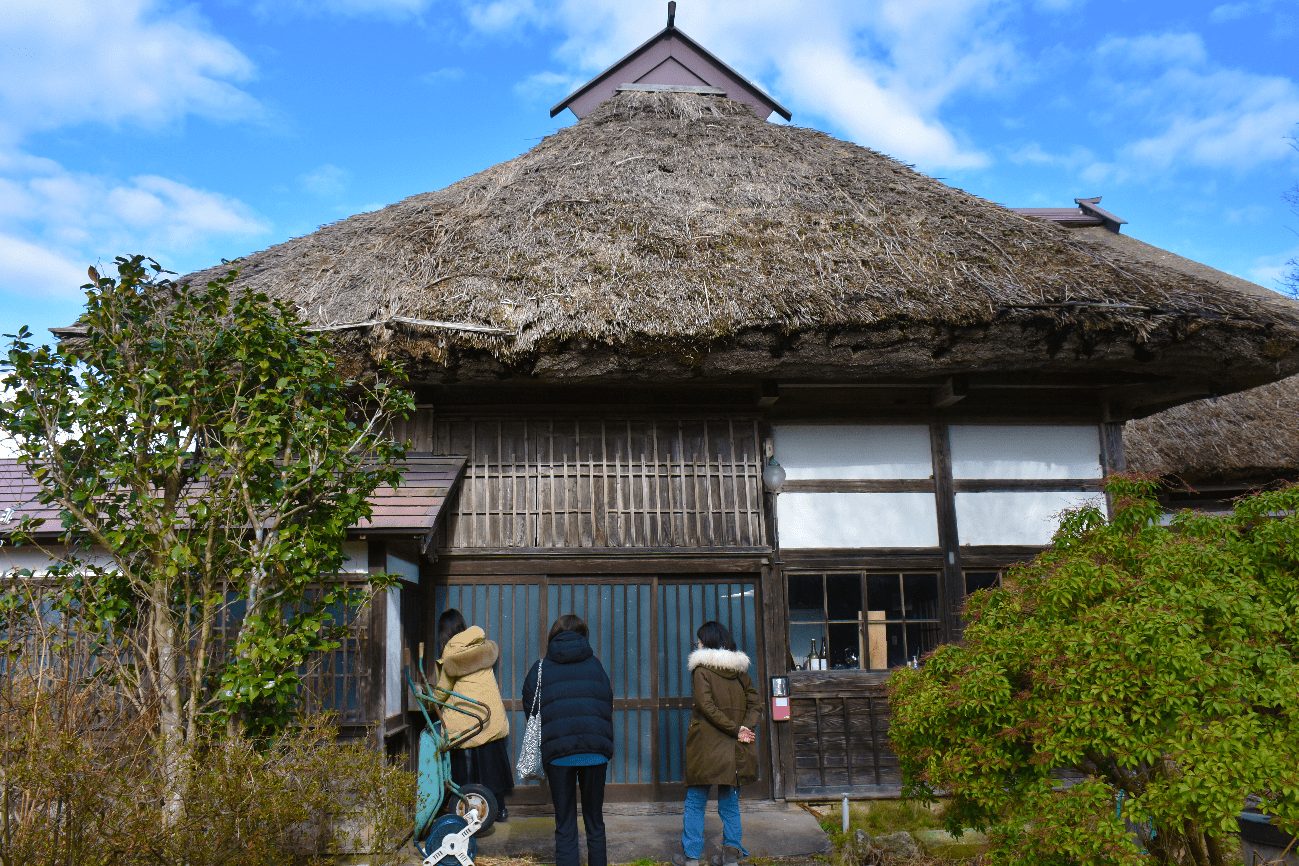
(480,799)
(443,827)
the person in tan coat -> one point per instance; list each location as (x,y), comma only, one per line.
(465,662)
(721,747)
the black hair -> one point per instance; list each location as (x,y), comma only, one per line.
(568,622)
(714,635)
(450,624)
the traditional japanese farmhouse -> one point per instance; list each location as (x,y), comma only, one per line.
(697,364)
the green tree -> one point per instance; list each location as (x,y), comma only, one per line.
(1155,667)
(207,458)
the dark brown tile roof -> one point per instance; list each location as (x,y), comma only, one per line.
(411,508)
(18,498)
(415,505)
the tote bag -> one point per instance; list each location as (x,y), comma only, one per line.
(529,766)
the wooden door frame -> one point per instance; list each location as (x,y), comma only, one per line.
(544,572)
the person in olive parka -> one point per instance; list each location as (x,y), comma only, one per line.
(721,747)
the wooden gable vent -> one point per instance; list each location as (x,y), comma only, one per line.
(672,61)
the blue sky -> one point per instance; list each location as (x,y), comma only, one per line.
(200,131)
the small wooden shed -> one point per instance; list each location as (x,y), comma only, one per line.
(701,365)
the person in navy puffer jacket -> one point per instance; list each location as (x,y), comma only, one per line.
(576,736)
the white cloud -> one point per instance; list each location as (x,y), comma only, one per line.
(1189,111)
(880,72)
(77,61)
(872,114)
(1230,12)
(57,221)
(1226,12)
(442,75)
(500,15)
(1075,158)
(391,9)
(547,86)
(33,270)
(326,181)
(1154,50)
(1273,271)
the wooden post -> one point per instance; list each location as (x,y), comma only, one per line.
(948,539)
(375,655)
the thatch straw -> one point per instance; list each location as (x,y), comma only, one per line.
(1252,435)
(669,225)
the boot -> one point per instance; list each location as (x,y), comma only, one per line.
(731,856)
(680,859)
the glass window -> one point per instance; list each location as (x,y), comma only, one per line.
(853,451)
(1016,517)
(850,520)
(1025,451)
(900,621)
(977,580)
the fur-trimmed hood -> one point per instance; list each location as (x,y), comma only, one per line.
(468,651)
(723,661)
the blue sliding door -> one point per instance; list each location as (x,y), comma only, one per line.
(642,628)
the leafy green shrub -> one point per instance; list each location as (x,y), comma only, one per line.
(1156,666)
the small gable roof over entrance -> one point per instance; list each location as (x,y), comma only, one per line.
(670,60)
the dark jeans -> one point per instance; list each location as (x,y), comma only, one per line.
(564,782)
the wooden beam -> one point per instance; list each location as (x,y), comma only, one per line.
(950,393)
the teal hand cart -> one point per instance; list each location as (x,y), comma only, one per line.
(447,816)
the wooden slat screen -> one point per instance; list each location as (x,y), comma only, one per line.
(600,483)
(336,681)
(840,724)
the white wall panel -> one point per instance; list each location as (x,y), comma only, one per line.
(818,520)
(1015,517)
(1025,451)
(403,562)
(843,451)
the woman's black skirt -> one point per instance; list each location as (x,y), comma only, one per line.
(488,765)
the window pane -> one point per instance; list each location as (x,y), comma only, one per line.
(922,637)
(1016,517)
(1025,451)
(804,639)
(897,645)
(977,580)
(809,451)
(920,596)
(805,600)
(884,594)
(845,649)
(843,591)
(812,520)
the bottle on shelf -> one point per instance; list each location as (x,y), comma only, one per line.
(811,657)
(823,660)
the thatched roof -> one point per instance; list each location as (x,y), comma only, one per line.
(672,235)
(1250,436)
